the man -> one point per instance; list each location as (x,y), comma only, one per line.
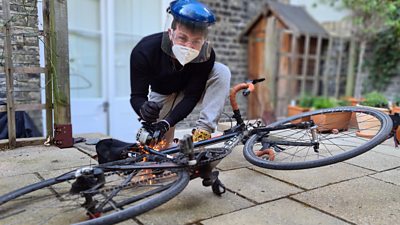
(179,67)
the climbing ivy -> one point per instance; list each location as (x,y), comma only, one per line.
(376,22)
(383,59)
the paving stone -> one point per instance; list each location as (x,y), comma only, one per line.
(387,149)
(44,211)
(363,190)
(11,183)
(195,203)
(391,176)
(275,212)
(39,158)
(234,160)
(360,201)
(317,177)
(38,207)
(389,142)
(256,186)
(376,161)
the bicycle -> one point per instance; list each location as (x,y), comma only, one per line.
(144,178)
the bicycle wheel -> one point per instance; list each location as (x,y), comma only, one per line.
(105,197)
(316,138)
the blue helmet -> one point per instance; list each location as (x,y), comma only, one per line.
(192,11)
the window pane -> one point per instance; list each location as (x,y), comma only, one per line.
(134,19)
(85,74)
(84,14)
(84,48)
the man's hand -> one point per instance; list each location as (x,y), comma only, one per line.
(160,128)
(150,111)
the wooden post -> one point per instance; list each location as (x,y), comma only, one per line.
(292,68)
(8,67)
(48,73)
(305,65)
(326,70)
(267,91)
(317,77)
(272,59)
(58,68)
(360,74)
(350,69)
(338,68)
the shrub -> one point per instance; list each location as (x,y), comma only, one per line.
(343,102)
(375,99)
(324,102)
(306,101)
(396,100)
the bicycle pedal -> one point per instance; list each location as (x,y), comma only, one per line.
(218,188)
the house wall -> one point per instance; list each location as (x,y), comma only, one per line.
(232,18)
(25,53)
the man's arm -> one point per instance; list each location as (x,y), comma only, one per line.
(140,79)
(193,91)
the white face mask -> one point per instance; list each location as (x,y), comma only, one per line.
(184,54)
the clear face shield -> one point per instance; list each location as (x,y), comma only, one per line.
(186,41)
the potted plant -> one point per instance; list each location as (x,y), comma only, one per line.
(352,101)
(330,122)
(304,105)
(368,125)
(396,105)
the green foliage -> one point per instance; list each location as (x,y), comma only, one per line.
(377,22)
(306,101)
(375,99)
(396,100)
(371,16)
(343,102)
(324,103)
(383,60)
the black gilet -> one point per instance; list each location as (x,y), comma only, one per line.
(152,67)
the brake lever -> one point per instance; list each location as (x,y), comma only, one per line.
(258,80)
(248,90)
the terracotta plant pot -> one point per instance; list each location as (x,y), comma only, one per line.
(294,110)
(396,109)
(353,101)
(368,125)
(332,122)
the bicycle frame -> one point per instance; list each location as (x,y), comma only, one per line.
(239,132)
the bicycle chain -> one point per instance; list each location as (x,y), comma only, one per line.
(214,157)
(130,184)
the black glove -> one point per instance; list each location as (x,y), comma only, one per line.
(150,111)
(160,128)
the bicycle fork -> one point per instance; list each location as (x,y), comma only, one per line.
(314,138)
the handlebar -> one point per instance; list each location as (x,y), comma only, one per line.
(249,87)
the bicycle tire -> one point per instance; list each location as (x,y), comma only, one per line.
(346,141)
(145,190)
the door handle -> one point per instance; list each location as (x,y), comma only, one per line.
(106,106)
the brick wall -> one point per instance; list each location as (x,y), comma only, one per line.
(25,50)
(232,18)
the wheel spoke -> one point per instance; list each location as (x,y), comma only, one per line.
(330,140)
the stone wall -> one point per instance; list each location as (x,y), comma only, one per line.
(25,53)
(232,18)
